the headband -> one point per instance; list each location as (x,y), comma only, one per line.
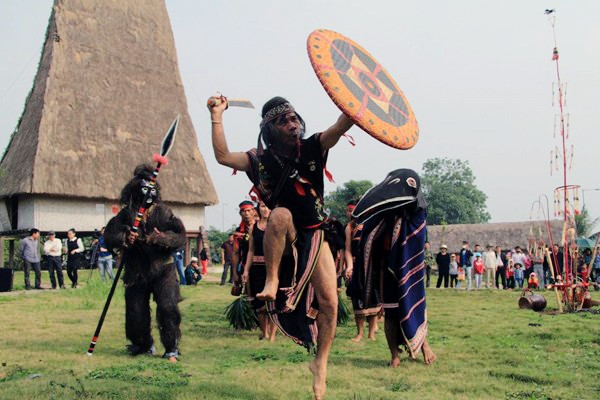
(275,112)
(246,206)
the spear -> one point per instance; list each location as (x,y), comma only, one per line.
(160,159)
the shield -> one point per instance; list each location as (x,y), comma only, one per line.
(362,89)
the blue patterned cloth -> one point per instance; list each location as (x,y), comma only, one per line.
(394,215)
(407,264)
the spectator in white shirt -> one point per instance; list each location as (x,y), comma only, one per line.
(489,260)
(53,255)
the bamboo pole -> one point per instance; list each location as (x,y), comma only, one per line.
(560,307)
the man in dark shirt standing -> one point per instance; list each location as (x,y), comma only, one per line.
(501,264)
(227,258)
(442,259)
(466,261)
(31,258)
(557,262)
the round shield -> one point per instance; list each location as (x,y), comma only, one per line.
(362,89)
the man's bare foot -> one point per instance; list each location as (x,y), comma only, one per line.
(269,292)
(319,382)
(428,355)
(372,330)
(357,338)
(394,363)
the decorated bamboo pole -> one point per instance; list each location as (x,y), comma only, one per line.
(568,277)
(160,159)
(558,299)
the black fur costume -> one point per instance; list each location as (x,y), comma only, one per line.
(146,269)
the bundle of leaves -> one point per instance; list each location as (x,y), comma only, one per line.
(241,315)
(343,312)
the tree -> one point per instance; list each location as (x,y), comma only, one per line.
(450,190)
(216,239)
(337,200)
(584,223)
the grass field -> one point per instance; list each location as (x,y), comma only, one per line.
(487,349)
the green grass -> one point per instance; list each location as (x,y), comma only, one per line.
(487,349)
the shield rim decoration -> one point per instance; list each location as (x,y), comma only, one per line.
(397,127)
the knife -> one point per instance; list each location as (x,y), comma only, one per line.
(245,103)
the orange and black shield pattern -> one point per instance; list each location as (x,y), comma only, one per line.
(362,89)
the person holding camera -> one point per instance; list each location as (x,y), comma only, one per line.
(193,274)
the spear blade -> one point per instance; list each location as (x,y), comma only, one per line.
(169,139)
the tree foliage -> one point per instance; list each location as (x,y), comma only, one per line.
(584,223)
(216,239)
(337,200)
(450,190)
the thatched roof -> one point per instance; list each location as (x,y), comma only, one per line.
(106,91)
(504,234)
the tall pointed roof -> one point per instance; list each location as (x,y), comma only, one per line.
(107,89)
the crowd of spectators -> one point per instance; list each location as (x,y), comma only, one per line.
(512,269)
(70,254)
(56,255)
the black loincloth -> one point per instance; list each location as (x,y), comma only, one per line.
(295,308)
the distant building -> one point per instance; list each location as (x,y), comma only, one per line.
(504,234)
(107,89)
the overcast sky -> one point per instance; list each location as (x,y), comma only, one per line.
(478,75)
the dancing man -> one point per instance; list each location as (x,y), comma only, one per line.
(287,172)
(391,257)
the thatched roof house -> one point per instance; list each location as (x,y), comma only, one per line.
(504,234)
(107,89)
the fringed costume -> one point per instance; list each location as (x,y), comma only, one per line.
(295,182)
(363,289)
(258,272)
(147,268)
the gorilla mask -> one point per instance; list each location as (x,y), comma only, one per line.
(139,191)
